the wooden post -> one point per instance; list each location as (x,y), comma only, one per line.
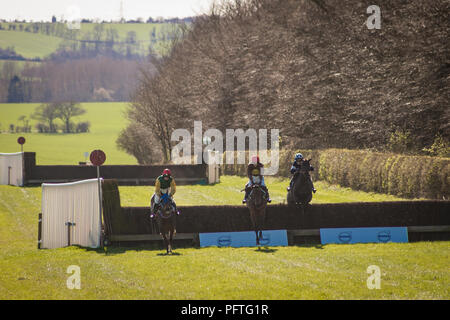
(69,224)
(9,176)
(39,230)
(100,205)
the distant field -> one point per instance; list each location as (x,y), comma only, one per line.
(107,120)
(142,30)
(408,270)
(29,45)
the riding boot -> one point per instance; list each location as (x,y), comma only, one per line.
(312,185)
(267,193)
(176,210)
(290,185)
(154,210)
(246,195)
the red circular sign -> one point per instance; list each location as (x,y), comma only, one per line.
(97,157)
(21,140)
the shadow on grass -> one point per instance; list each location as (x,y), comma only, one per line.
(121,248)
(169,254)
(266,250)
(309,245)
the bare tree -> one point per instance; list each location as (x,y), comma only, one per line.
(47,113)
(66,111)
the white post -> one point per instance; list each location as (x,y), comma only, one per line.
(23,167)
(99,205)
(217,180)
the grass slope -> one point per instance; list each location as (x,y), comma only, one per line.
(107,120)
(408,271)
(29,45)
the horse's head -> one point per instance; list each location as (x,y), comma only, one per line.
(305,166)
(257,195)
(166,209)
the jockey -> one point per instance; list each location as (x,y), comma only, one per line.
(254,173)
(165,184)
(298,162)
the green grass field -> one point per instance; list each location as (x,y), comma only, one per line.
(29,45)
(408,271)
(230,193)
(32,45)
(107,120)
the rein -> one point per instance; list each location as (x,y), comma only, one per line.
(263,192)
(161,210)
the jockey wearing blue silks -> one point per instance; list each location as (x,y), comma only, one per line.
(298,162)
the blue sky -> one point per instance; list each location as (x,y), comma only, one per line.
(38,10)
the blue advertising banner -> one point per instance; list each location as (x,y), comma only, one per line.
(243,239)
(364,235)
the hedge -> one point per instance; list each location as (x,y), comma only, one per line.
(396,174)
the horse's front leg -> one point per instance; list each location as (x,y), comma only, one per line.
(169,248)
(254,223)
(257,238)
(166,242)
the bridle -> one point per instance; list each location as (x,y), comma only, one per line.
(162,210)
(254,187)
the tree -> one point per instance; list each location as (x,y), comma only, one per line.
(26,123)
(131,37)
(138,141)
(48,113)
(15,90)
(67,110)
(53,19)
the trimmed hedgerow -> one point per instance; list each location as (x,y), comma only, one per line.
(401,175)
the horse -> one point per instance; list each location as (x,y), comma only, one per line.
(257,203)
(166,219)
(300,191)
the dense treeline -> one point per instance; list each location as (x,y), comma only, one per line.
(89,79)
(311,68)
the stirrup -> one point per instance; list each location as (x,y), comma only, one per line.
(269,200)
(244,201)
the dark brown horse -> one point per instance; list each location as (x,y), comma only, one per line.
(300,192)
(166,219)
(257,203)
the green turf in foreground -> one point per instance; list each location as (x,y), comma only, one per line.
(408,271)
